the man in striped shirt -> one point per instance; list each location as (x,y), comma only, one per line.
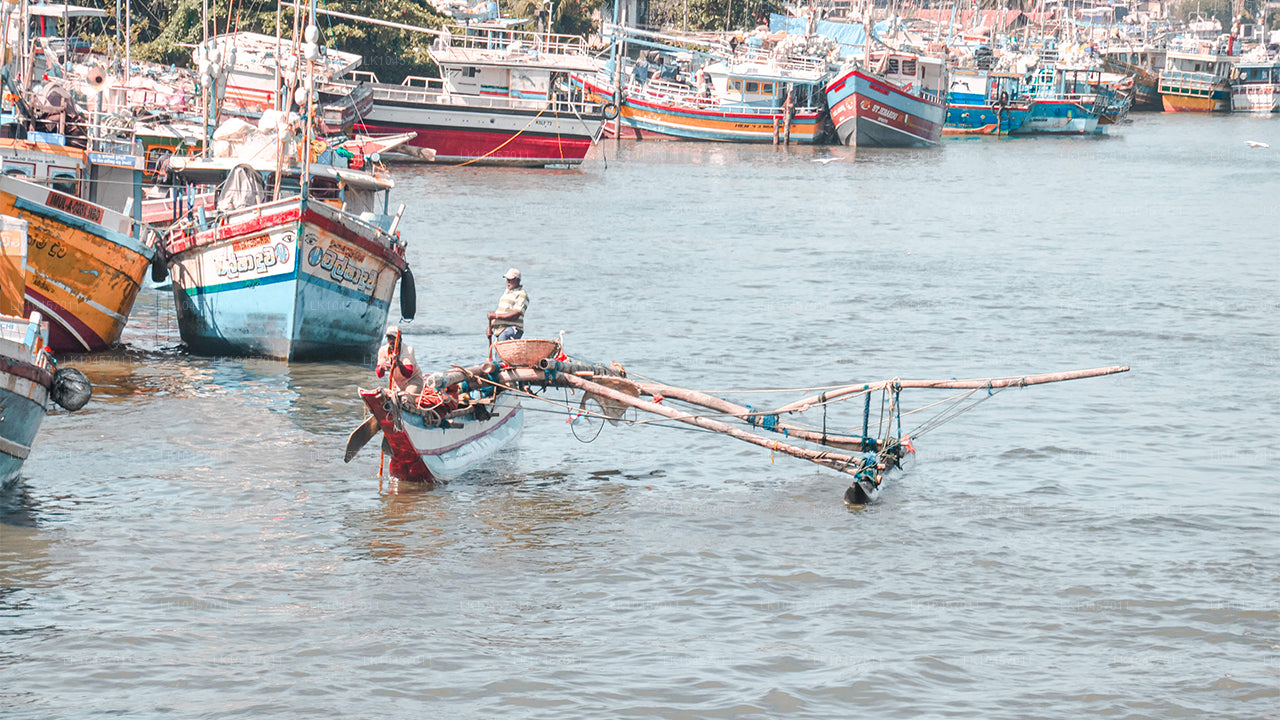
(507,322)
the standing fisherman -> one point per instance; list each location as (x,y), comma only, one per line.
(507,322)
(397,358)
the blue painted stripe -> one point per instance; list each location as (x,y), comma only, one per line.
(341,289)
(87,226)
(238,285)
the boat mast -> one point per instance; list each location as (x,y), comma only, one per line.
(310,52)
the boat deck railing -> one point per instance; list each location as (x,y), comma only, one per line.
(680,94)
(1189,79)
(788,63)
(432,91)
(511,40)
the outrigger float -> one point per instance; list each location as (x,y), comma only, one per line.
(464,415)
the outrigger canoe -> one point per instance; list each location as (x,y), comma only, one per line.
(466,414)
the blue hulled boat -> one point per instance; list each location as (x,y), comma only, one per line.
(306,275)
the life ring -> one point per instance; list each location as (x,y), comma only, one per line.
(1004,98)
(610,110)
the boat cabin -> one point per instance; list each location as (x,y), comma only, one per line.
(1267,73)
(497,60)
(244,184)
(916,74)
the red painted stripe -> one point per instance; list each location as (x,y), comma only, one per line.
(60,340)
(378,250)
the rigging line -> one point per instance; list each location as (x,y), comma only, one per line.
(508,141)
(959,410)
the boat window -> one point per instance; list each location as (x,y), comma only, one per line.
(735,85)
(64,182)
(753,87)
(908,67)
(893,66)
(323,188)
(15,172)
(766,88)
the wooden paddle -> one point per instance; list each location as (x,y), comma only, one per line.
(361,437)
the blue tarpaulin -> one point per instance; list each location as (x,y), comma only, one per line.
(849,37)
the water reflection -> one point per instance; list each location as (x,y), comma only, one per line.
(24,548)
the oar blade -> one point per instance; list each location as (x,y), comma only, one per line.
(361,437)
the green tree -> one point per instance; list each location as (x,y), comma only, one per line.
(713,14)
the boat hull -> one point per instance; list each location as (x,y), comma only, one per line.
(285,282)
(1255,98)
(983,119)
(83,267)
(427,452)
(869,112)
(487,135)
(24,392)
(1058,117)
(717,124)
(1178,94)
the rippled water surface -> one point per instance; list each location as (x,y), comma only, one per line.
(191,544)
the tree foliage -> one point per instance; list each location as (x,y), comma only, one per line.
(164,30)
(713,14)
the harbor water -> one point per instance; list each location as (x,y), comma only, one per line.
(191,545)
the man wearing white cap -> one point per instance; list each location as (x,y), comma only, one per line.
(397,358)
(507,322)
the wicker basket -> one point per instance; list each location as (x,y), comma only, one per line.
(525,353)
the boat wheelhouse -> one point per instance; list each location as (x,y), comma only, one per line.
(1195,78)
(503,98)
(754,95)
(1255,86)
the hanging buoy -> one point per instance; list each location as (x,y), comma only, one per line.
(159,269)
(71,389)
(610,110)
(408,295)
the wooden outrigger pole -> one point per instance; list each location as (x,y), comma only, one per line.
(970,384)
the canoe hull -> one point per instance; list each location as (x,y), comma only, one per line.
(423,451)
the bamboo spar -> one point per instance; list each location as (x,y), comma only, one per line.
(841,440)
(843,463)
(968,384)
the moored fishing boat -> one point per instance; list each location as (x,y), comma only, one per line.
(898,101)
(305,275)
(503,98)
(1255,83)
(982,102)
(1143,64)
(1195,78)
(771,93)
(88,258)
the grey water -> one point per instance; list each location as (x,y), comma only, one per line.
(191,545)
